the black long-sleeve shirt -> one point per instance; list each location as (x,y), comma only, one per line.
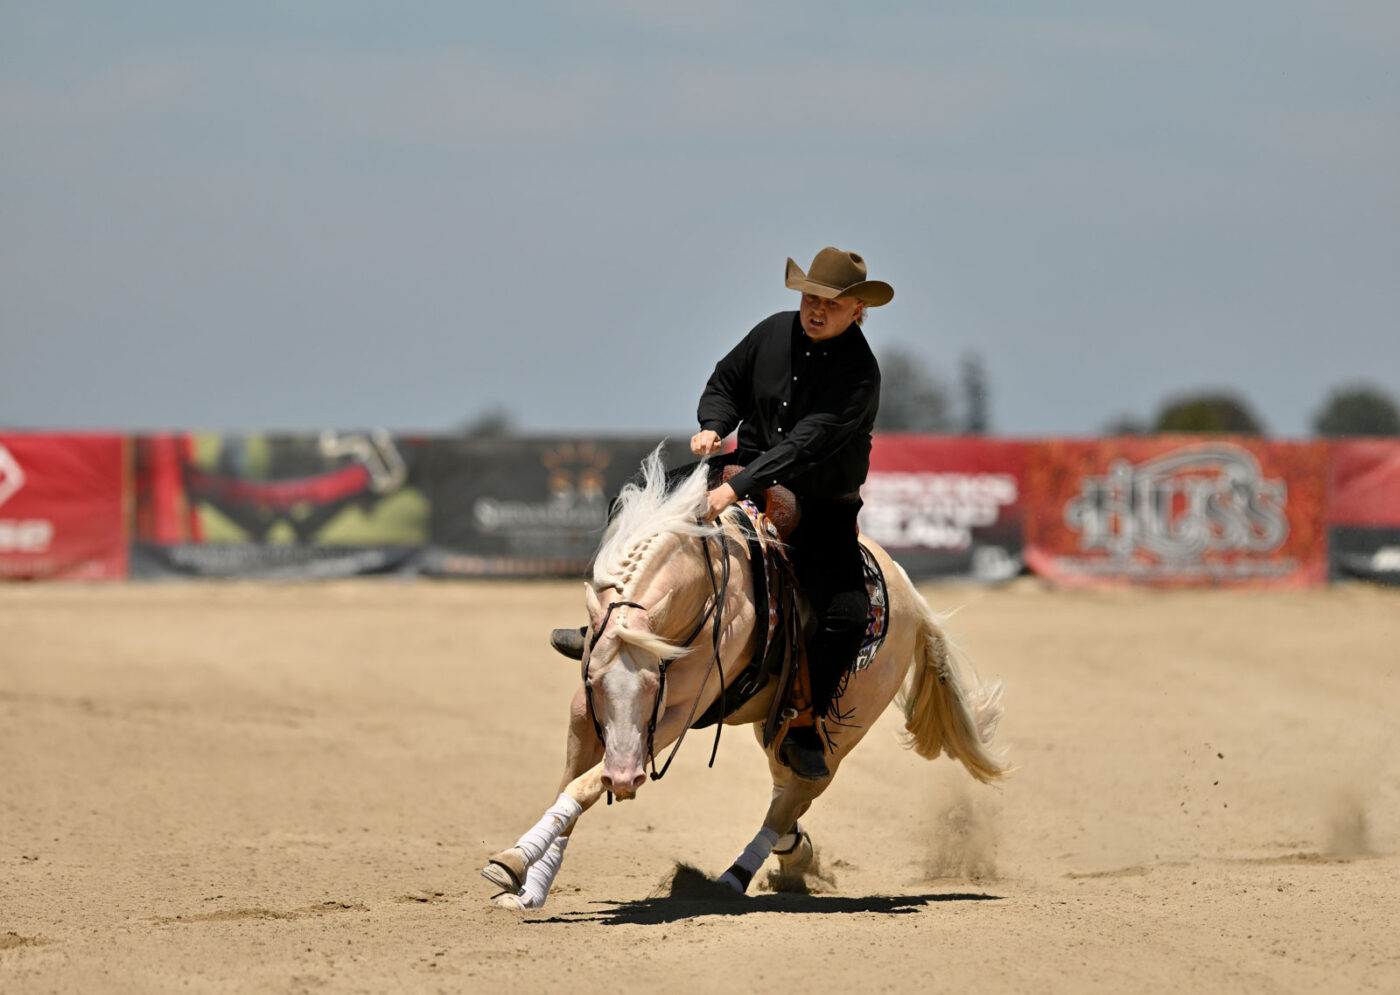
(804,409)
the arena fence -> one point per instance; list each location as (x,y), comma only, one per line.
(1159,510)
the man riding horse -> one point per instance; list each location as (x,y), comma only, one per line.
(803,388)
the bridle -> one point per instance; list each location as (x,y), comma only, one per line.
(714,614)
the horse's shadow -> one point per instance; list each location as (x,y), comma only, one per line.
(689,897)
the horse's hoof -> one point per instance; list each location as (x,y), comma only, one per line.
(506,900)
(731,882)
(506,870)
(798,857)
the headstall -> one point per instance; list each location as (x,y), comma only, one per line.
(714,613)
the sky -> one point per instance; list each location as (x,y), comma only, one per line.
(348,214)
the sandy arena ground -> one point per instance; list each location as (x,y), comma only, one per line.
(244,788)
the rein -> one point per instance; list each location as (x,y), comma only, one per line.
(714,614)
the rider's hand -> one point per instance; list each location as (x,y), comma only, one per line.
(719,499)
(705,443)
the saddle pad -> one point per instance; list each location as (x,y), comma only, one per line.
(877,618)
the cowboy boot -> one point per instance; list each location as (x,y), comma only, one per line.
(569,642)
(802,751)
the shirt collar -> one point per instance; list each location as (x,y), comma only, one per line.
(841,342)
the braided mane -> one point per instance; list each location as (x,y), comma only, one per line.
(645,512)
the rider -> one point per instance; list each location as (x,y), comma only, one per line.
(803,388)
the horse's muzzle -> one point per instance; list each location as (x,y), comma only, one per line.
(624,783)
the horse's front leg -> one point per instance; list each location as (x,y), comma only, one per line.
(527,870)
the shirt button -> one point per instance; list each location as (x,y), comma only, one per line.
(780,429)
(809,354)
(794,378)
(785,404)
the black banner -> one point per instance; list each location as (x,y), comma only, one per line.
(1365,553)
(527,507)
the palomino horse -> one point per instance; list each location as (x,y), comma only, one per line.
(649,673)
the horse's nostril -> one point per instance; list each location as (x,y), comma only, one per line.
(639,780)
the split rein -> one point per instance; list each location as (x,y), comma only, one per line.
(714,614)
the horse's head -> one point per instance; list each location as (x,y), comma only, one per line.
(623,671)
(649,581)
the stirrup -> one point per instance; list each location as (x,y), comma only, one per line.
(569,642)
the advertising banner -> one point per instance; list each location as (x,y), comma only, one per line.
(1364,509)
(1177,511)
(63,507)
(945,506)
(527,507)
(332,504)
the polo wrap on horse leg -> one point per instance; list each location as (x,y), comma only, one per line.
(540,878)
(557,821)
(741,872)
(509,868)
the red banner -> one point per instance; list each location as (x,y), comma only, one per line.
(164,514)
(63,507)
(1364,480)
(1177,511)
(947,505)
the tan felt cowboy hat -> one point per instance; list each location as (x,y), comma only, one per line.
(838,274)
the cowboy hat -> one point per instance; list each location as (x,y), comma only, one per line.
(838,274)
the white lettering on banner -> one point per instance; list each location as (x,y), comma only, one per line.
(993,563)
(19,535)
(1386,558)
(25,535)
(559,513)
(1181,506)
(934,510)
(11,476)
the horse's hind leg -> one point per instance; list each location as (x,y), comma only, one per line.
(582,785)
(791,798)
(794,847)
(795,853)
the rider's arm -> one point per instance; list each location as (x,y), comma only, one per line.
(728,394)
(817,436)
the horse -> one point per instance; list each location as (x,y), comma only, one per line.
(648,673)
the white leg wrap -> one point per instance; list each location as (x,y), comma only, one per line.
(743,869)
(540,878)
(557,821)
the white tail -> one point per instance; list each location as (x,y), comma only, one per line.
(947,713)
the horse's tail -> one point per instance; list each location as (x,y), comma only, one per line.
(946,712)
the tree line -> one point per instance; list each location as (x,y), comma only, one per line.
(1352,409)
(913,398)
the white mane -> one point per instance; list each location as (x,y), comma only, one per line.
(646,511)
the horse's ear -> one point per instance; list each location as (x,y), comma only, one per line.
(657,612)
(590,599)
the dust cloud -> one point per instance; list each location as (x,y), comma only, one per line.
(962,836)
